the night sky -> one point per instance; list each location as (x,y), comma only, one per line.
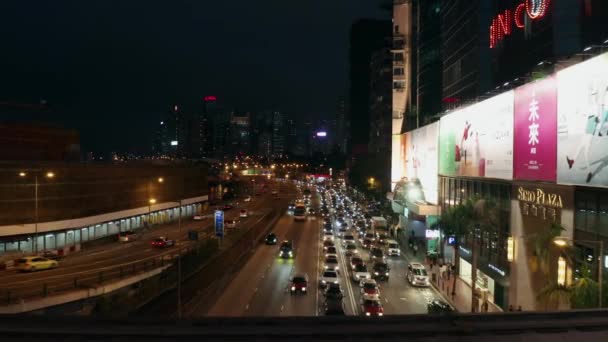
(110,68)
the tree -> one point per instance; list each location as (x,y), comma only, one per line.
(581,294)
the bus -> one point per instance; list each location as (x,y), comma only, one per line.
(299,213)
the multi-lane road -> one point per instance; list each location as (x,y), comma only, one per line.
(261,287)
(88,263)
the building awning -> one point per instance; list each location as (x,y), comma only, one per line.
(424,208)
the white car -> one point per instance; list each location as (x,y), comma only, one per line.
(244,213)
(417,275)
(369,287)
(331,262)
(393,248)
(329,276)
(360,273)
(230,224)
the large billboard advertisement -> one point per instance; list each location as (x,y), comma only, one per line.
(582,109)
(477,141)
(421,159)
(397,159)
(535,136)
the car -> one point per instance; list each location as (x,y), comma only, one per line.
(329,276)
(35,263)
(162,242)
(197,217)
(328,235)
(327,244)
(226,207)
(347,238)
(286,250)
(230,224)
(332,250)
(342,231)
(393,248)
(299,284)
(344,225)
(355,260)
(244,213)
(376,253)
(367,243)
(331,261)
(360,272)
(417,275)
(371,306)
(439,307)
(247,199)
(380,271)
(291,206)
(127,236)
(369,236)
(369,287)
(350,249)
(53,255)
(271,239)
(334,307)
(311,211)
(333,291)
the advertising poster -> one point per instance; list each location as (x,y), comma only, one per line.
(535,135)
(397,159)
(582,131)
(421,159)
(477,141)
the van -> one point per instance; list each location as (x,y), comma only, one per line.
(393,248)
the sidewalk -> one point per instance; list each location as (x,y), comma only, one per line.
(461,300)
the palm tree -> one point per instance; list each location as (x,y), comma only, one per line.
(581,294)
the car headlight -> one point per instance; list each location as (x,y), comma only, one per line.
(376,273)
(335,282)
(323,281)
(386,273)
(293,288)
(380,314)
(304,289)
(367,314)
(337,267)
(290,253)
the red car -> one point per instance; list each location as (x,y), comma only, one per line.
(369,287)
(371,306)
(162,242)
(299,284)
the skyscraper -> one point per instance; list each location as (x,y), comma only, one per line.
(366,36)
(278,133)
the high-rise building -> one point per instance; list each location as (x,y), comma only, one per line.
(366,36)
(428,86)
(402,62)
(240,133)
(218,120)
(278,133)
(341,127)
(380,102)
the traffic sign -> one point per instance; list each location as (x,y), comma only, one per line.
(219,223)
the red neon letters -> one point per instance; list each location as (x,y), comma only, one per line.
(501,24)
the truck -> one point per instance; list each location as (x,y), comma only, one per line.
(379,223)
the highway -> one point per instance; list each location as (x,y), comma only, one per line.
(261,287)
(85,266)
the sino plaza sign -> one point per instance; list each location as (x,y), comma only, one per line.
(503,23)
(539,197)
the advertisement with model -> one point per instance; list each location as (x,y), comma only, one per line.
(477,141)
(535,136)
(582,110)
(421,162)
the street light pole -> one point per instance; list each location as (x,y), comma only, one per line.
(179,265)
(36,215)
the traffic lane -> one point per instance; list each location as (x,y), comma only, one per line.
(117,253)
(270,298)
(350,288)
(307,261)
(236,299)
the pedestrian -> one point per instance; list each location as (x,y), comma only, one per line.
(444,269)
(511,308)
(519,308)
(415,249)
(449,269)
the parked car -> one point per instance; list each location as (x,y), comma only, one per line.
(35,263)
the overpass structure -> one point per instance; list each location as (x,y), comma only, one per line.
(588,326)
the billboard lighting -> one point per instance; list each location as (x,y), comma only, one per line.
(174,143)
(321,134)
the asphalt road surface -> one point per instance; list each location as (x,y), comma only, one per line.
(261,287)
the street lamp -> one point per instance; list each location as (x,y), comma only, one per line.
(563,242)
(49,175)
